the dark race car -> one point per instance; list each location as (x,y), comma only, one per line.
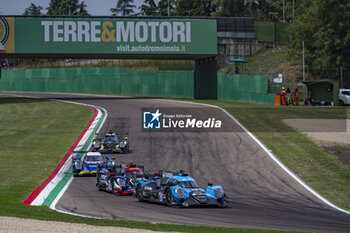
(122,183)
(178,189)
(110,143)
(88,163)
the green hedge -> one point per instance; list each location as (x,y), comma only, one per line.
(271,32)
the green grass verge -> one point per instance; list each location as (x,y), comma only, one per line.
(34,136)
(322,170)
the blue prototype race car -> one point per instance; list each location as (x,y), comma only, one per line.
(89,162)
(179,190)
(122,183)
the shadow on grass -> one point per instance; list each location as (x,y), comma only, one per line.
(13,100)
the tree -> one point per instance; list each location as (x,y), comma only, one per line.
(67,7)
(236,8)
(265,10)
(123,7)
(207,7)
(270,10)
(193,8)
(33,10)
(82,9)
(186,8)
(163,7)
(148,8)
(324,26)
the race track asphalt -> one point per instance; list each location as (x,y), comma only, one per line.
(260,193)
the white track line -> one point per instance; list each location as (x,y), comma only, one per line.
(272,156)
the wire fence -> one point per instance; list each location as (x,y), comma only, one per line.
(340,74)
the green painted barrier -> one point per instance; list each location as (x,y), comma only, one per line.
(118,81)
(248,88)
(100,80)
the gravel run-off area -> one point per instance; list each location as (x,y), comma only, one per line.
(20,225)
(333,135)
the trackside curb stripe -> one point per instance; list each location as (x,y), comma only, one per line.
(40,194)
(64,169)
(60,194)
(68,173)
(38,190)
(272,156)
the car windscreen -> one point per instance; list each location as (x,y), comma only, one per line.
(111,138)
(132,174)
(188,184)
(96,158)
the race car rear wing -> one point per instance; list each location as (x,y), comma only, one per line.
(117,134)
(165,175)
(80,151)
(126,165)
(146,174)
(76,152)
(109,163)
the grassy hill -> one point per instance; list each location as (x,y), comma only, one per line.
(276,60)
(273,60)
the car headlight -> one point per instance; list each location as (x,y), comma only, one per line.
(219,193)
(111,163)
(122,144)
(120,182)
(180,193)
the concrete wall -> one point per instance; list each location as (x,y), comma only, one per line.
(231,48)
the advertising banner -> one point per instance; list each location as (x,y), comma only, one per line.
(46,35)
